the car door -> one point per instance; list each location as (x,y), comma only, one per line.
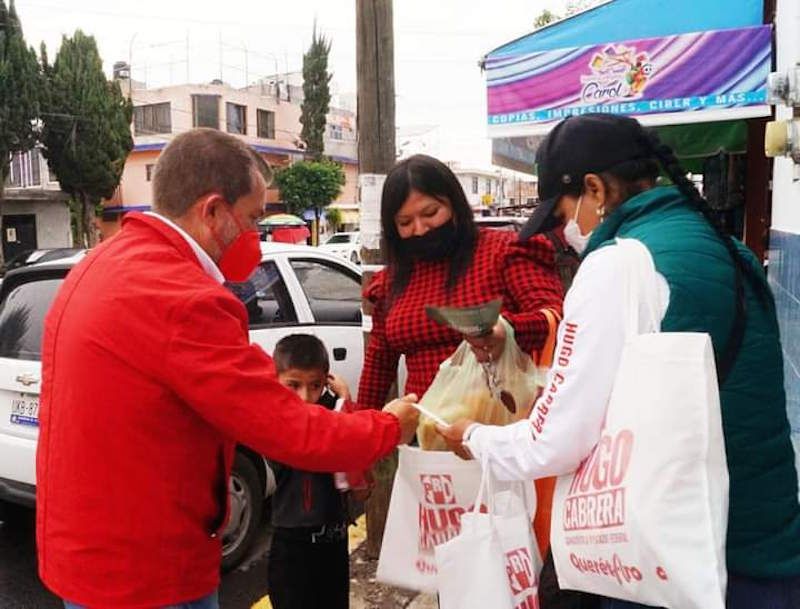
(270,307)
(332,295)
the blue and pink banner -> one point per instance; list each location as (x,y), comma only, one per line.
(687,73)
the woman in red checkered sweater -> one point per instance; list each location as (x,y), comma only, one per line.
(437,256)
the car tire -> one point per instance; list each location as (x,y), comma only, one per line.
(247,506)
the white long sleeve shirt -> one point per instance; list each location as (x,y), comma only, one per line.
(566,420)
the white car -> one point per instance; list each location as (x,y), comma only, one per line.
(344,245)
(302,289)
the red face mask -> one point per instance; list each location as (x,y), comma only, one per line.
(241,257)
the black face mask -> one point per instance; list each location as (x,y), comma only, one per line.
(434,245)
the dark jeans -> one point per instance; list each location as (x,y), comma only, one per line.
(745,593)
(207,602)
(307,575)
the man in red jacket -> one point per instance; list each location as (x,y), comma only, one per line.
(149,380)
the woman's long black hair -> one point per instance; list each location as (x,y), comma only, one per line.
(431,177)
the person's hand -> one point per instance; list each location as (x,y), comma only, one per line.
(339,386)
(489,347)
(407,414)
(454,435)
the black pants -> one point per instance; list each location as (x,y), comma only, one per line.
(551,596)
(307,575)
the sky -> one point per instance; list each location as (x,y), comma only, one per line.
(438,44)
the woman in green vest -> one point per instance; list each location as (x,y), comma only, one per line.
(597,174)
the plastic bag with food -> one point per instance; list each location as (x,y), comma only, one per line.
(496,393)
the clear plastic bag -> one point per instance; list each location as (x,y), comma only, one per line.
(497,394)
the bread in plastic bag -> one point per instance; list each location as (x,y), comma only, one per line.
(460,390)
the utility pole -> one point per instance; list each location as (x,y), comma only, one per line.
(376,155)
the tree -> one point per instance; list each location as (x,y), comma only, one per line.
(87,134)
(20,83)
(334,217)
(310,185)
(545,18)
(317,95)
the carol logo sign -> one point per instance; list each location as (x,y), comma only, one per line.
(618,72)
(596,498)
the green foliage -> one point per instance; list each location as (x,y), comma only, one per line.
(333,215)
(317,94)
(546,17)
(20,83)
(86,133)
(310,184)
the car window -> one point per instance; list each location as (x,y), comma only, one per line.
(333,292)
(22,318)
(266,298)
(338,239)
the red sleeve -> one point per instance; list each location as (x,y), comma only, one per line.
(380,360)
(531,284)
(232,384)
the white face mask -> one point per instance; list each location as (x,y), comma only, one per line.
(572,232)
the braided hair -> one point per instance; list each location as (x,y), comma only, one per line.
(660,157)
(630,175)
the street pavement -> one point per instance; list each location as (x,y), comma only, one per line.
(244,588)
(20,587)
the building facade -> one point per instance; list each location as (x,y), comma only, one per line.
(35,213)
(266,115)
(483,187)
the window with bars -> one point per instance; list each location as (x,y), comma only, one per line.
(25,169)
(205,111)
(266,124)
(236,117)
(474,185)
(152,118)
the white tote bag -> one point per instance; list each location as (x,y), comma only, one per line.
(431,491)
(644,517)
(493,562)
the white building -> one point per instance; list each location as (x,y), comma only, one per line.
(35,214)
(483,187)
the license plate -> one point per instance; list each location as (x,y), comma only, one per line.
(25,411)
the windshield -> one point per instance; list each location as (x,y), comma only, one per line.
(22,318)
(339,239)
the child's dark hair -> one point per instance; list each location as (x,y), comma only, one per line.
(301,351)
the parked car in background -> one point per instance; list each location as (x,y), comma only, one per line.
(514,223)
(27,257)
(297,289)
(344,245)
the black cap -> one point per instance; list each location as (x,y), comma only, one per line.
(589,143)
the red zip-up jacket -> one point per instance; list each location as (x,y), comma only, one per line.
(149,379)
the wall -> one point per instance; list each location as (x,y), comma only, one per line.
(135,189)
(784,253)
(349,194)
(52,220)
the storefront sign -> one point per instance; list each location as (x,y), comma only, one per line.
(687,73)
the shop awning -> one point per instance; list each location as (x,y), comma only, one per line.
(664,61)
(691,143)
